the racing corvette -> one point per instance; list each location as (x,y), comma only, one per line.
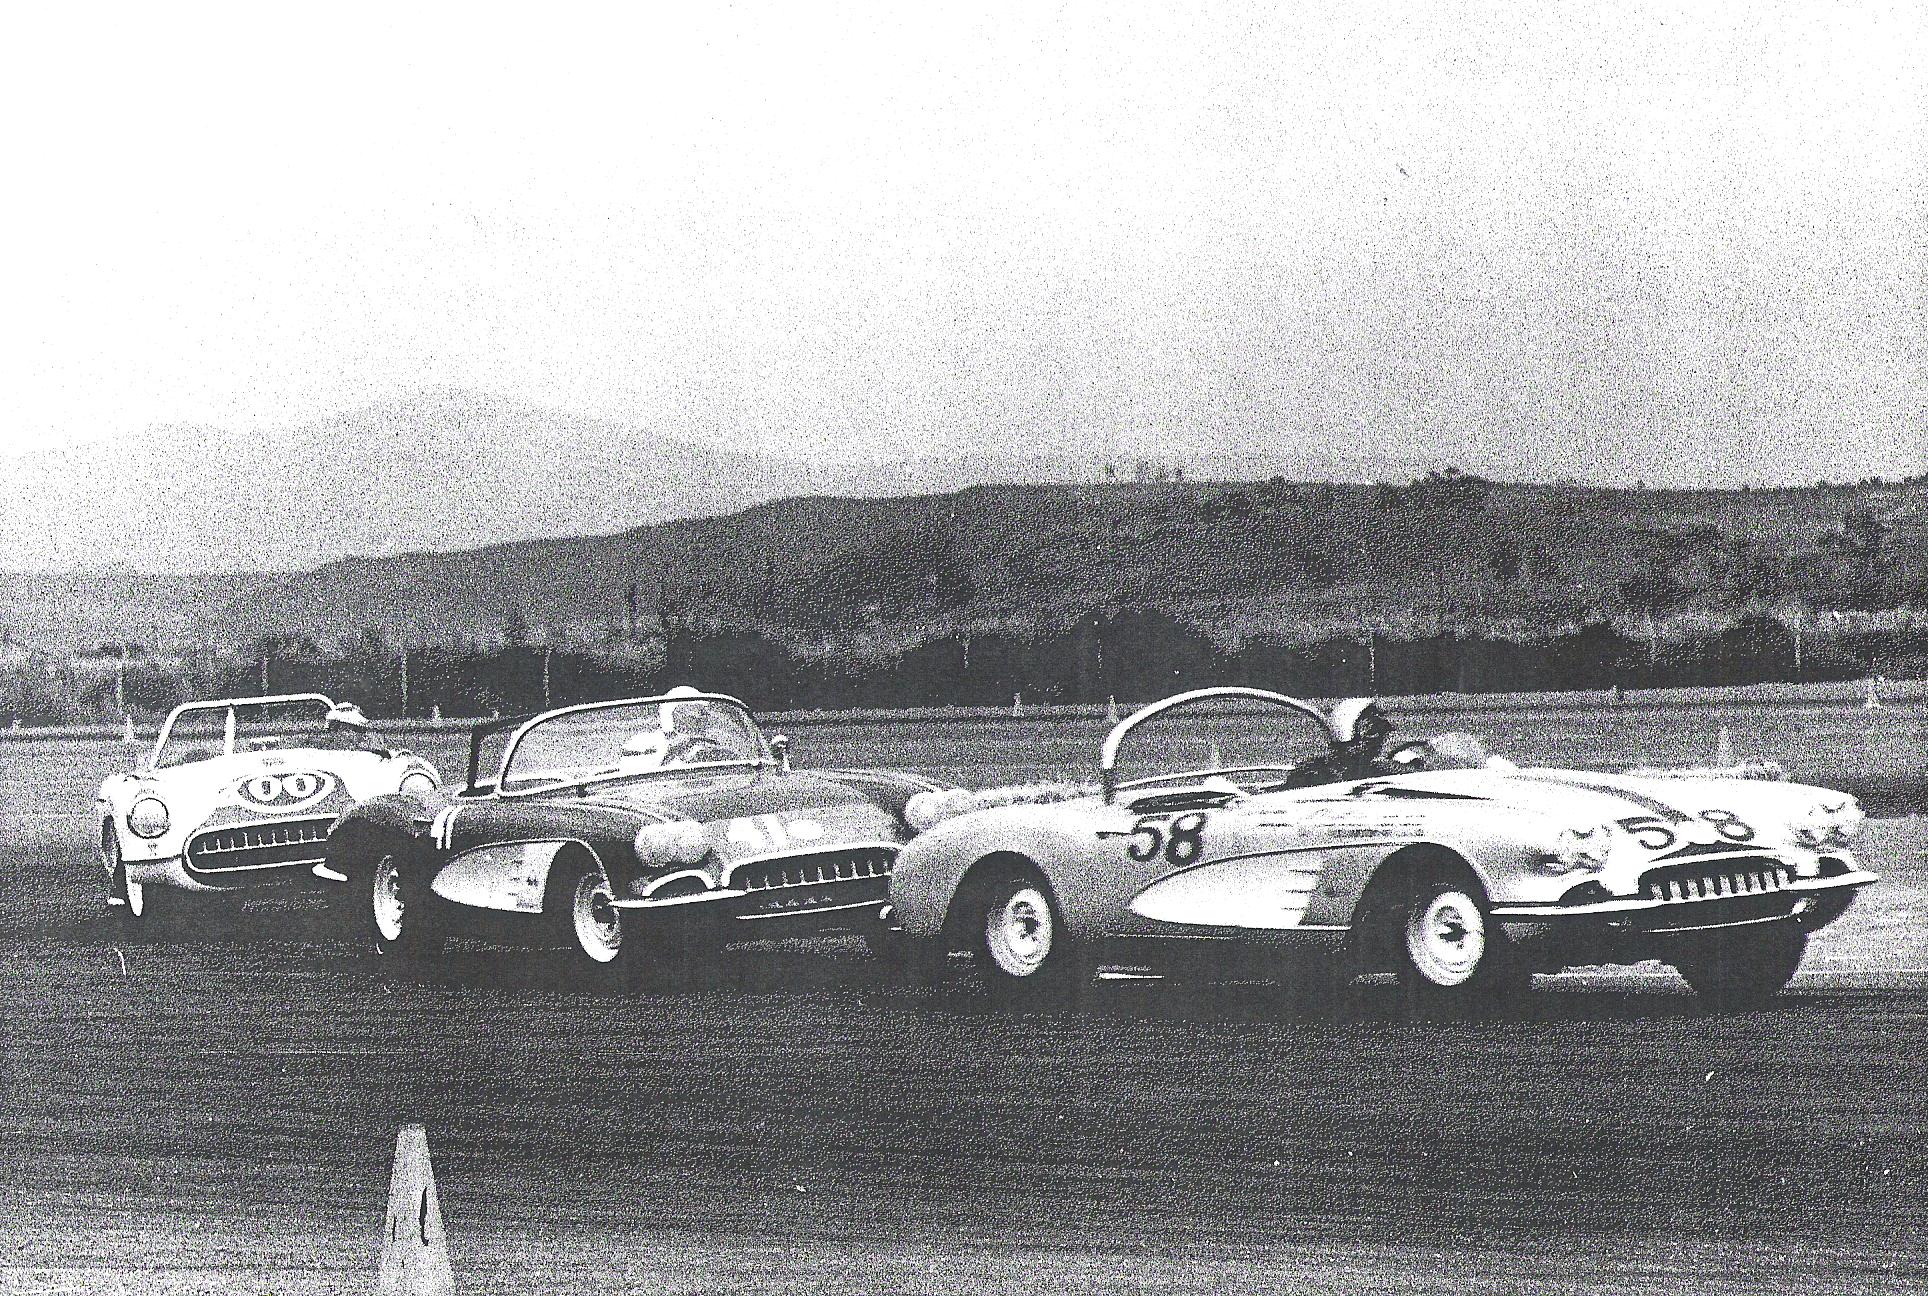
(239,794)
(1460,873)
(637,834)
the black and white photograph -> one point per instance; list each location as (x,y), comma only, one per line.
(1094,648)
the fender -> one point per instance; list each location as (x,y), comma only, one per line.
(364,832)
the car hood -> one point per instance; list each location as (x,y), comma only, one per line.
(1694,808)
(247,787)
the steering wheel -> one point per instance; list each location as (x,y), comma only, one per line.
(1419,748)
(696,748)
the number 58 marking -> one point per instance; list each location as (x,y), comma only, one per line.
(1181,841)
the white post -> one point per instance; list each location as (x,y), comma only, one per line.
(415,1248)
(546,650)
(404,681)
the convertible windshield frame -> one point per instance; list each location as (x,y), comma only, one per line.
(545,787)
(1108,750)
(229,726)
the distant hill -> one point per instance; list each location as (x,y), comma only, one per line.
(1239,558)
(449,470)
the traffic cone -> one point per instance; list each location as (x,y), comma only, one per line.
(1017,704)
(127,730)
(1111,708)
(1724,748)
(1874,694)
(415,1250)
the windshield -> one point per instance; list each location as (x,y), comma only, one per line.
(217,729)
(1253,741)
(630,738)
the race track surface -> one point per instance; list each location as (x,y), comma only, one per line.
(216,1112)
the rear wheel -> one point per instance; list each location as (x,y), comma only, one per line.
(1024,951)
(1447,950)
(1743,967)
(398,927)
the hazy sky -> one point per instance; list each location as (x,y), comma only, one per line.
(1605,234)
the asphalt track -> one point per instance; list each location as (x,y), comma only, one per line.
(218,1113)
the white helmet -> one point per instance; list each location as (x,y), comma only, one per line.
(346,715)
(1358,719)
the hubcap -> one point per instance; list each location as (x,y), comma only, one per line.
(1447,938)
(1018,932)
(599,928)
(387,899)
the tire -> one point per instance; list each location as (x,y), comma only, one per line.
(145,911)
(1741,968)
(397,926)
(1449,954)
(592,926)
(1024,952)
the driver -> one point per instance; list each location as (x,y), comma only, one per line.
(1355,748)
(347,729)
(682,734)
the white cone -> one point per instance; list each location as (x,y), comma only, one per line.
(127,731)
(1874,695)
(1111,709)
(415,1250)
(1724,749)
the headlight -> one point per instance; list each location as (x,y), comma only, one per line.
(1575,850)
(671,843)
(417,781)
(1829,823)
(147,817)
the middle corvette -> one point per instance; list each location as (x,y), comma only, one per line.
(633,833)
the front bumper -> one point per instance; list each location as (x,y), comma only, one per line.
(172,872)
(1789,900)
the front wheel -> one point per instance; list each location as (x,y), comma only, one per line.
(592,925)
(143,909)
(1024,951)
(1448,952)
(1741,968)
(398,928)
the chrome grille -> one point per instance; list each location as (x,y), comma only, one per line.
(285,844)
(815,870)
(1714,881)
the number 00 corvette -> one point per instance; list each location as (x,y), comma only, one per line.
(1460,873)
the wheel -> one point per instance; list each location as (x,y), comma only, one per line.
(1024,951)
(592,924)
(1743,967)
(1448,952)
(610,948)
(397,927)
(145,910)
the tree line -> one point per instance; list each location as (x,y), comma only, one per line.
(1132,654)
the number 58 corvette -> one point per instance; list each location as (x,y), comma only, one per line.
(1462,881)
